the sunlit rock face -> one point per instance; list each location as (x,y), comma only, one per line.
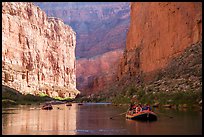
(94,74)
(158,32)
(38,53)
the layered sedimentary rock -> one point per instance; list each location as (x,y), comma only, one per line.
(96,73)
(38,53)
(158,32)
(100,26)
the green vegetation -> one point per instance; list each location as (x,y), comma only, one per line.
(123,96)
(95,98)
(121,100)
(8,102)
(42,95)
(150,96)
(62,99)
(144,95)
(12,97)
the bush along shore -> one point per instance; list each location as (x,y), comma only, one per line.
(11,97)
(125,96)
(147,95)
(177,93)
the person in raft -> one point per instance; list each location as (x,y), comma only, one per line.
(139,108)
(147,107)
(132,108)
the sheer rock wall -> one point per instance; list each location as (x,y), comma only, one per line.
(38,53)
(158,32)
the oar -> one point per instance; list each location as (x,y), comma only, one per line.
(165,115)
(118,115)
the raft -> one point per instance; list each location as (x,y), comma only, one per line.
(145,115)
(68,104)
(47,107)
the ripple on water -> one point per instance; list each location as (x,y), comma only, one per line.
(83,131)
(98,131)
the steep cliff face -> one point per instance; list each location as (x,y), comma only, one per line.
(100,26)
(96,73)
(38,53)
(101,29)
(158,32)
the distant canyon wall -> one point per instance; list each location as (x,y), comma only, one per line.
(38,52)
(158,32)
(101,29)
(96,73)
(100,26)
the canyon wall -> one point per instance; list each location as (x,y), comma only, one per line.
(100,26)
(38,52)
(96,73)
(158,32)
(101,29)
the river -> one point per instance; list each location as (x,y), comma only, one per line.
(94,119)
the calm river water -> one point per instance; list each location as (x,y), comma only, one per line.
(94,119)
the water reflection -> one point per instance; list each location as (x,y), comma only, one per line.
(94,119)
(36,121)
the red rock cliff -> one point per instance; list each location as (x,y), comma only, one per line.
(95,73)
(38,53)
(158,32)
(101,27)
